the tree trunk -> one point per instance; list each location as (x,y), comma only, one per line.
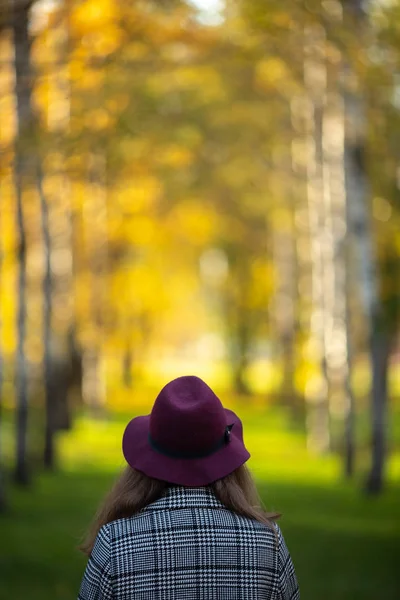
(240,362)
(21,470)
(350,416)
(22,166)
(357,191)
(380,352)
(318,420)
(127,366)
(57,234)
(288,390)
(239,378)
(346,275)
(76,371)
(338,266)
(379,340)
(49,446)
(93,387)
(242,329)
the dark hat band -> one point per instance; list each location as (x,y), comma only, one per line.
(226,438)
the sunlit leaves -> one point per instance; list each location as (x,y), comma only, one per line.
(192,129)
(95,24)
(273,74)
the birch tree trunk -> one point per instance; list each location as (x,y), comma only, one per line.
(318,423)
(63,301)
(300,114)
(337,257)
(49,449)
(22,169)
(29,172)
(57,246)
(349,399)
(379,338)
(329,246)
(380,353)
(358,195)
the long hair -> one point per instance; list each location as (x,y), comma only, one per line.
(134,490)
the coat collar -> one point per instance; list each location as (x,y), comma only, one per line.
(185,497)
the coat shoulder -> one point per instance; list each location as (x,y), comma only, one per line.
(214,519)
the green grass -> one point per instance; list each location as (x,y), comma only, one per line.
(345,546)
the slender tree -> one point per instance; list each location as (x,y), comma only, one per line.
(127,364)
(57,236)
(337,256)
(28,172)
(359,222)
(315,78)
(23,176)
(49,448)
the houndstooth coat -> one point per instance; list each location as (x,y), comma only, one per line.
(188,546)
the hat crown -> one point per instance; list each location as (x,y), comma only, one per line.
(187,416)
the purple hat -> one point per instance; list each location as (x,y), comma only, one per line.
(188,439)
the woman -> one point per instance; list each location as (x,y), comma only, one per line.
(184,520)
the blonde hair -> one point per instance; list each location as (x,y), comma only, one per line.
(134,490)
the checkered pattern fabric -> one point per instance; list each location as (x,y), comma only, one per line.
(188,546)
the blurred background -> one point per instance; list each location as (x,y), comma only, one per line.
(202,187)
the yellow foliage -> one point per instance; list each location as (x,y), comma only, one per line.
(204,77)
(8,233)
(92,15)
(117,102)
(131,299)
(86,79)
(241,115)
(193,222)
(175,156)
(262,284)
(7,102)
(95,23)
(191,136)
(104,42)
(137,194)
(98,119)
(8,306)
(281,218)
(141,230)
(195,131)
(235,172)
(135,51)
(271,73)
(381,209)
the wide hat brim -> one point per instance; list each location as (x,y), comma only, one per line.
(140,455)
